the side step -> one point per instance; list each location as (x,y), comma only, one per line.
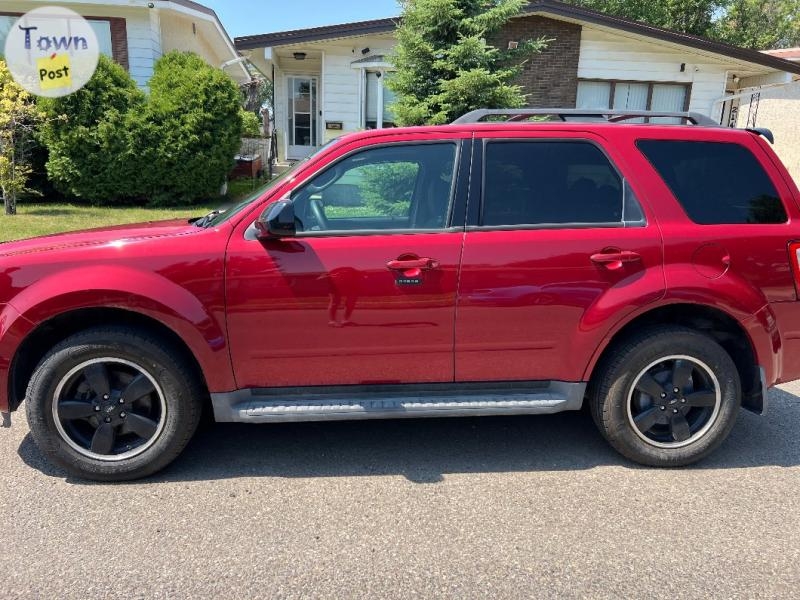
(395,402)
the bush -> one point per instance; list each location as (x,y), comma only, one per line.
(387,187)
(111,144)
(89,152)
(189,130)
(251,125)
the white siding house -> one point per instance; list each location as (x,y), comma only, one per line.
(136,35)
(329,80)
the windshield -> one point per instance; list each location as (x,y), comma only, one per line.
(225,214)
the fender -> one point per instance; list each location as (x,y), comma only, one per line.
(13,329)
(144,292)
(759,326)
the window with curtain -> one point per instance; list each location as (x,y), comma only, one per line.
(639,95)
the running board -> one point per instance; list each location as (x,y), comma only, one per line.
(349,403)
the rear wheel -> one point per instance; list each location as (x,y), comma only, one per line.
(113,404)
(667,397)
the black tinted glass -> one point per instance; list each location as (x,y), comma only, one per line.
(532,183)
(716,182)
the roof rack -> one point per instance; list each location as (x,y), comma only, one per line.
(583,114)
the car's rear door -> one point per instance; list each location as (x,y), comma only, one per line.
(557,248)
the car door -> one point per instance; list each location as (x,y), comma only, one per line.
(557,250)
(365,292)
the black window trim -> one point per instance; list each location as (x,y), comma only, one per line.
(780,194)
(455,198)
(476,217)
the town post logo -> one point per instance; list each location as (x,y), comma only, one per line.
(52,51)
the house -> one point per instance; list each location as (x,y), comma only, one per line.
(135,33)
(772,101)
(331,80)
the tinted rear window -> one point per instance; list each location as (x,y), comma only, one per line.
(716,182)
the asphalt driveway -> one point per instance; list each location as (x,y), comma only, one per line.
(463,508)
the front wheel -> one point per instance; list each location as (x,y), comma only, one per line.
(113,404)
(667,397)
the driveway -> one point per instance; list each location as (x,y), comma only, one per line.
(464,508)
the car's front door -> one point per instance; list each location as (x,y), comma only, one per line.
(365,292)
(558,250)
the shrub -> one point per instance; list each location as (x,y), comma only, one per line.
(111,144)
(18,118)
(387,187)
(251,124)
(89,152)
(189,130)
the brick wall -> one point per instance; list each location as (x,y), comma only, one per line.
(119,41)
(550,78)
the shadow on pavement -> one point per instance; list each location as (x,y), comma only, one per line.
(424,451)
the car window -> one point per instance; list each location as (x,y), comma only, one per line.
(226,213)
(716,182)
(402,186)
(550,182)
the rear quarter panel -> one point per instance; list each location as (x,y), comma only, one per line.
(742,270)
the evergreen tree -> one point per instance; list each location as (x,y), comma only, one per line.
(446,67)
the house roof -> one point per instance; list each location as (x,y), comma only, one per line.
(316,34)
(540,7)
(792,54)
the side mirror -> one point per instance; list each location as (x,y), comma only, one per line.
(277,221)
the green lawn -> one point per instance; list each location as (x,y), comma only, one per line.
(41,219)
(33,220)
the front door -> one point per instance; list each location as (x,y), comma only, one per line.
(303,126)
(365,293)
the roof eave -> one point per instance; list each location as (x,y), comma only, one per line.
(543,7)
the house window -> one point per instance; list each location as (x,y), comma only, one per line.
(102,29)
(634,95)
(378,99)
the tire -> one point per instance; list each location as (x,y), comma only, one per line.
(82,421)
(635,406)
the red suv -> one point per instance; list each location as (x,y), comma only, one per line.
(645,264)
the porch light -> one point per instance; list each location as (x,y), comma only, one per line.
(299,55)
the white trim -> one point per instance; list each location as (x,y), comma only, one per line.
(314,113)
(379,124)
(749,92)
(362,99)
(320,104)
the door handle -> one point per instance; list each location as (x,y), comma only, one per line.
(611,258)
(424,264)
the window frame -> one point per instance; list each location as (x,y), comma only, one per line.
(479,188)
(119,35)
(461,175)
(381,122)
(688,86)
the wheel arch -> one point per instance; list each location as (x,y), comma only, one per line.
(58,328)
(714,322)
